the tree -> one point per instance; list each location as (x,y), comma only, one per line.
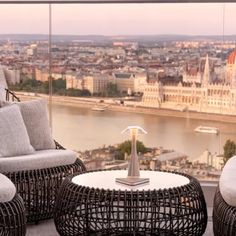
(112,90)
(59,88)
(85,93)
(58,84)
(125,147)
(73,92)
(229,150)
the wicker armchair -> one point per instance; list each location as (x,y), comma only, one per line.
(12,210)
(12,217)
(10,96)
(224,217)
(39,187)
(224,207)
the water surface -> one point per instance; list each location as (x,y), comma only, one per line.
(84,129)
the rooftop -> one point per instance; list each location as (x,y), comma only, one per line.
(122,75)
(232,57)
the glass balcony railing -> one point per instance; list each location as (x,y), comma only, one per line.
(169,68)
(159,66)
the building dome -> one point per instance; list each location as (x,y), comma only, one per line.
(232,57)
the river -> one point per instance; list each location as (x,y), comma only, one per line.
(83,129)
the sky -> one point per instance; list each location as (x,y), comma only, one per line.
(120,19)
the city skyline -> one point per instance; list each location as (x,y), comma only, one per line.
(120,19)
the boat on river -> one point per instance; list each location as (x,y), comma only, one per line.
(207,129)
(99,108)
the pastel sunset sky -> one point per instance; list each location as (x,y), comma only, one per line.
(120,19)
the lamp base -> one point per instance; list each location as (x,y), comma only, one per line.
(132,181)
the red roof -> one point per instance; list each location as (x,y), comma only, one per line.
(232,57)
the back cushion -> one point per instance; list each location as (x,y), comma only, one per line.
(14,139)
(35,116)
(36,121)
(2,94)
(3,84)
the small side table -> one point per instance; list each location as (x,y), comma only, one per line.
(92,203)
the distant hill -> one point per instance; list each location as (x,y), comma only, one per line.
(43,37)
(106,39)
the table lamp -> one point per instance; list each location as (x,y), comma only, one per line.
(133,177)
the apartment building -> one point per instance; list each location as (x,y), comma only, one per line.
(42,75)
(73,80)
(124,81)
(129,81)
(12,75)
(96,83)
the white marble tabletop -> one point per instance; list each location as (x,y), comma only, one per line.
(106,180)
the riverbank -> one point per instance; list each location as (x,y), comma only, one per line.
(91,102)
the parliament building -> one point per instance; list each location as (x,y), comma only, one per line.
(201,95)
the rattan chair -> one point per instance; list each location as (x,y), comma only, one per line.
(39,187)
(224,207)
(12,217)
(224,217)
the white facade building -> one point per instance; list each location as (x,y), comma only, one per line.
(206,97)
(96,83)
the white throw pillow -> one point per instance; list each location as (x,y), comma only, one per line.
(14,139)
(7,189)
(35,116)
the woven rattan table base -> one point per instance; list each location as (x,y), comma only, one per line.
(88,211)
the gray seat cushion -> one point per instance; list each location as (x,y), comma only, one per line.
(38,160)
(227,182)
(7,189)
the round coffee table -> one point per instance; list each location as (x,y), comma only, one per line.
(92,203)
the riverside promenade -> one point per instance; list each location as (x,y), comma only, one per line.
(133,107)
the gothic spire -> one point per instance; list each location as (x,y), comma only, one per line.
(206,74)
